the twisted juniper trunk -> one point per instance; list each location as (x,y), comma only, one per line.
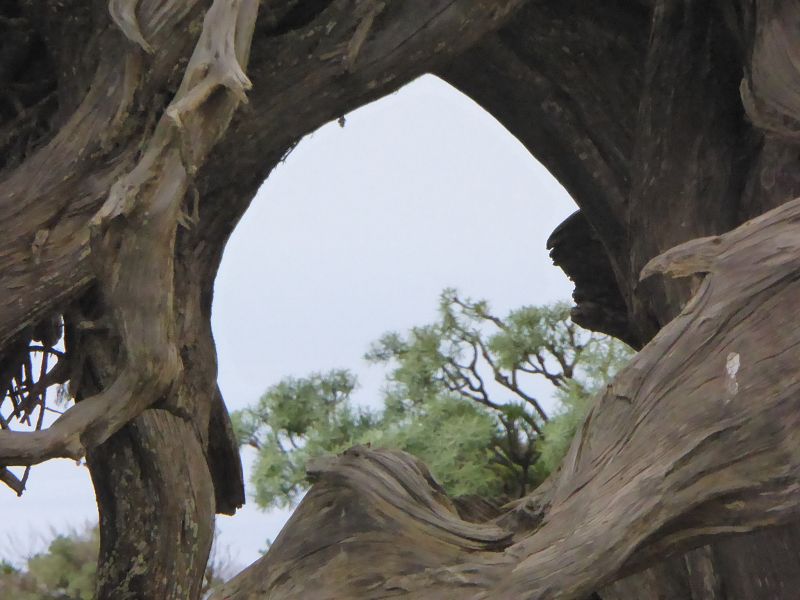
(656,146)
(127,156)
(645,116)
(126,164)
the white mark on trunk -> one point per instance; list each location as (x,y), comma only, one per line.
(731,369)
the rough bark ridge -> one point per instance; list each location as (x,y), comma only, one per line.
(126,164)
(630,490)
(650,169)
(689,163)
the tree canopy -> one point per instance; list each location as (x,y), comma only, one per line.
(464,394)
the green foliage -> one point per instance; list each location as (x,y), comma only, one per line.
(67,570)
(558,432)
(6,568)
(294,421)
(452,437)
(494,362)
(69,565)
(459,395)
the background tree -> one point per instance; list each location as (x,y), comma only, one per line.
(67,570)
(451,435)
(293,421)
(459,396)
(497,363)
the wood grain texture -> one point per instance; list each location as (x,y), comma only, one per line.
(631,489)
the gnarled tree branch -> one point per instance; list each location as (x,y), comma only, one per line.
(133,246)
(630,490)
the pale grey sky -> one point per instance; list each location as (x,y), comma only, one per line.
(356,234)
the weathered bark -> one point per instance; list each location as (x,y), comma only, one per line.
(694,48)
(126,162)
(693,165)
(121,207)
(630,490)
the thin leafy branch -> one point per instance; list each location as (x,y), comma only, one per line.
(463,393)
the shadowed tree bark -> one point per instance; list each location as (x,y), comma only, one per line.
(131,141)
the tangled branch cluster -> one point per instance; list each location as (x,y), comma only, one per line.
(32,377)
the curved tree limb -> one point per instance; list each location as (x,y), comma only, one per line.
(630,490)
(101,133)
(367,503)
(120,129)
(133,245)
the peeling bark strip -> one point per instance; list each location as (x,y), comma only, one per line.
(630,490)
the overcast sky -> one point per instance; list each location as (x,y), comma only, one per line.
(355,234)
